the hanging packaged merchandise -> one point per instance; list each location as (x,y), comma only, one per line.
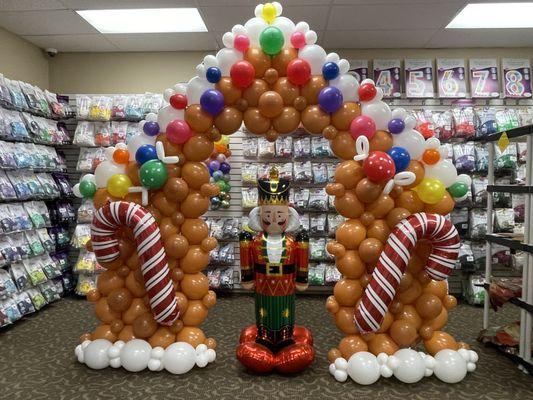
(37,298)
(15,127)
(320,147)
(479,194)
(213,276)
(285,171)
(64,184)
(83,103)
(424,122)
(215,228)
(50,188)
(331,171)
(151,103)
(459,218)
(7,192)
(479,252)
(20,243)
(519,260)
(503,220)
(230,228)
(56,106)
(85,284)
(265,149)
(226,254)
(38,214)
(507,119)
(132,129)
(117,132)
(84,136)
(301,198)
(7,155)
(49,291)
(89,159)
(317,275)
(473,291)
(464,157)
(318,199)
(501,199)
(20,276)
(24,303)
(226,278)
(334,220)
(320,173)
(263,170)
(5,97)
(302,147)
(318,225)
(47,242)
(214,258)
(7,286)
(518,202)
(249,147)
(22,218)
(317,249)
(8,252)
(501,256)
(507,160)
(478,224)
(482,156)
(332,274)
(69,282)
(102,134)
(61,260)
(249,173)
(134,110)
(100,108)
(86,211)
(520,175)
(50,268)
(30,96)
(118,106)
(486,123)
(18,101)
(82,234)
(284,146)
(463,121)
(465,260)
(303,172)
(10,309)
(34,271)
(34,242)
(521,148)
(249,197)
(85,263)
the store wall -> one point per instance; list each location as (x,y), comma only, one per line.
(140,72)
(22,60)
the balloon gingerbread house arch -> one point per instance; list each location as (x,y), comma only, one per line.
(393,186)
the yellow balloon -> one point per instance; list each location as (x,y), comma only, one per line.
(224,140)
(430,190)
(269,13)
(118,185)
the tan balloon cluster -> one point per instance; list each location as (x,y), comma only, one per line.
(121,303)
(420,308)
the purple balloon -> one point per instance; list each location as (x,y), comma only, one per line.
(396,125)
(151,128)
(214,165)
(330,99)
(225,167)
(212,101)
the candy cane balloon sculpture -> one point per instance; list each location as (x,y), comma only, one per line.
(394,259)
(154,266)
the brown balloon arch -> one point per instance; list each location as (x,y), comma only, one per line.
(271,105)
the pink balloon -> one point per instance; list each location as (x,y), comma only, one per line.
(241,43)
(362,125)
(298,40)
(178,131)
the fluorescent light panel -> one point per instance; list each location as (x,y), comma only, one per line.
(148,20)
(494,15)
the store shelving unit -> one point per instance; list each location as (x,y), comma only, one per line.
(525,244)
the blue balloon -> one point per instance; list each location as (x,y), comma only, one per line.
(400,156)
(213,74)
(396,126)
(217,175)
(330,71)
(212,101)
(145,153)
(330,99)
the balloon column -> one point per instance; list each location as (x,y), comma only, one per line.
(272,76)
(219,168)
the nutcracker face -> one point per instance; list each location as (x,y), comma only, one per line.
(274,218)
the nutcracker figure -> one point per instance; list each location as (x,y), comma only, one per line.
(274,261)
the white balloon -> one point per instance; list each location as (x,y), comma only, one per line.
(76,190)
(115,363)
(238,29)
(311,37)
(210,61)
(344,67)
(105,170)
(399,113)
(227,39)
(166,115)
(95,354)
(88,177)
(411,367)
(443,170)
(154,365)
(450,367)
(211,354)
(315,56)
(158,352)
(136,142)
(379,112)
(302,26)
(181,88)
(113,352)
(167,94)
(433,143)
(202,360)
(258,10)
(196,87)
(340,375)
(464,178)
(348,86)
(332,57)
(226,58)
(135,355)
(363,368)
(179,358)
(410,140)
(287,27)
(254,27)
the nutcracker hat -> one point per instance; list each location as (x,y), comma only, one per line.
(273,191)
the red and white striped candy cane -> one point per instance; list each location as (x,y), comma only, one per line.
(150,249)
(393,261)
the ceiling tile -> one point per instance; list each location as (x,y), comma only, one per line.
(222,19)
(113,4)
(73,43)
(359,2)
(25,5)
(482,38)
(392,16)
(60,22)
(163,41)
(253,3)
(376,39)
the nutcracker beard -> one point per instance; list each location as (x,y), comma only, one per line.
(274,261)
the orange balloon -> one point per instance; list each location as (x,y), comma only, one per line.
(108,281)
(194,205)
(192,335)
(126,334)
(121,156)
(348,173)
(252,93)
(198,148)
(428,306)
(210,299)
(314,119)
(104,312)
(349,205)
(350,265)
(443,207)
(119,299)
(144,325)
(103,332)
(228,121)
(378,230)
(176,189)
(449,302)
(176,245)
(368,191)
(134,286)
(415,264)
(370,249)
(440,341)
(431,156)
(101,197)
(408,313)
(333,354)
(367,218)
(195,260)
(343,146)
(396,215)
(282,59)
(287,121)
(132,170)
(352,344)
(136,309)
(411,294)
(195,230)
(438,288)
(198,119)
(288,91)
(343,117)
(195,314)
(418,169)
(271,76)
(344,319)
(381,206)
(256,122)
(347,292)
(439,321)
(259,60)
(410,201)
(382,343)
(194,286)
(332,305)
(403,332)
(381,141)
(231,92)
(167,208)
(350,234)
(162,337)
(312,88)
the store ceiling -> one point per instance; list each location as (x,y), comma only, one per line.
(339,24)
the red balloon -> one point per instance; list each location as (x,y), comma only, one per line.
(298,71)
(379,167)
(248,334)
(256,357)
(367,92)
(362,125)
(294,358)
(178,131)
(178,101)
(301,334)
(242,74)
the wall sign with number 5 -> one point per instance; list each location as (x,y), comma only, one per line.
(419,78)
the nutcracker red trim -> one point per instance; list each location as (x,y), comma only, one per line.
(393,261)
(154,266)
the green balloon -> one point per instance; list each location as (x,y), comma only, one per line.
(271,40)
(87,188)
(153,174)
(458,189)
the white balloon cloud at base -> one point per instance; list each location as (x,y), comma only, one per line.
(138,355)
(406,365)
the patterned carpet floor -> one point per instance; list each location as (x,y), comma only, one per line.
(37,362)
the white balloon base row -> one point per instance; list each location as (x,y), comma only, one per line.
(407,365)
(137,355)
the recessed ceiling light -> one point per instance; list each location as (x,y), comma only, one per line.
(148,20)
(494,15)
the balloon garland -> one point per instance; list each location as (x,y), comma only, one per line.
(272,77)
(219,169)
